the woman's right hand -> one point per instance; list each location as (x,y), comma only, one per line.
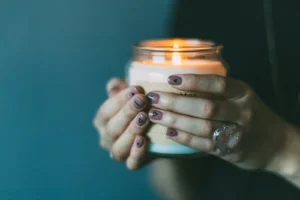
(120,122)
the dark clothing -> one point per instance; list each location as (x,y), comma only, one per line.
(242,27)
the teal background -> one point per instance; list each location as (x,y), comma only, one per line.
(55,58)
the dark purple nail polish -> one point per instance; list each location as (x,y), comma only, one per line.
(139,142)
(138,103)
(172,132)
(174,80)
(155,114)
(133,92)
(154,98)
(142,119)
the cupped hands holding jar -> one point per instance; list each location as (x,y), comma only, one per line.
(234,125)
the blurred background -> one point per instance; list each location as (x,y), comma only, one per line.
(55,58)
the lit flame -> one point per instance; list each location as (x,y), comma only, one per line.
(176,57)
(176,46)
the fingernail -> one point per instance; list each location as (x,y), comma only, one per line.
(153,97)
(139,142)
(174,80)
(142,119)
(155,114)
(133,92)
(138,103)
(172,132)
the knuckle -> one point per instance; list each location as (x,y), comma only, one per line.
(96,123)
(187,139)
(126,112)
(221,84)
(102,117)
(207,128)
(210,147)
(134,129)
(118,154)
(209,109)
(172,120)
(103,144)
(112,132)
(170,102)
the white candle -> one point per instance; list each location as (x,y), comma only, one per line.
(151,70)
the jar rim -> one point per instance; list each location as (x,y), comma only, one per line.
(177,44)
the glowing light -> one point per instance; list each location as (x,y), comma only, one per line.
(176,58)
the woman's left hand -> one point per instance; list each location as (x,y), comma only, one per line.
(193,121)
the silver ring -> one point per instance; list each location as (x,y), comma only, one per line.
(227,138)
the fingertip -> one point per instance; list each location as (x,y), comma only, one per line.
(142,119)
(139,101)
(140,89)
(114,86)
(139,147)
(139,142)
(137,154)
(175,80)
(134,90)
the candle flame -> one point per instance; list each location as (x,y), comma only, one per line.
(175,45)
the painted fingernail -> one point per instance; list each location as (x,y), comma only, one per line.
(142,119)
(172,132)
(155,114)
(133,92)
(138,103)
(174,80)
(153,97)
(139,142)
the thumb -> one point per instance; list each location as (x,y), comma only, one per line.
(114,86)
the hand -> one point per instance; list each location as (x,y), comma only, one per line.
(193,120)
(121,122)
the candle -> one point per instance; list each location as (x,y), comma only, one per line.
(155,60)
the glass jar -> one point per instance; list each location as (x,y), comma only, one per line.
(155,60)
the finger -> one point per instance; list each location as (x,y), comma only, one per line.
(106,142)
(111,106)
(187,139)
(196,107)
(122,146)
(137,154)
(195,126)
(117,124)
(211,84)
(114,86)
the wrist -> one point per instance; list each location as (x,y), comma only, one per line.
(286,161)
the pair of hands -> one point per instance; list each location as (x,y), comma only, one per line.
(191,121)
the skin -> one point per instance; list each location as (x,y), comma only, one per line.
(269,142)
